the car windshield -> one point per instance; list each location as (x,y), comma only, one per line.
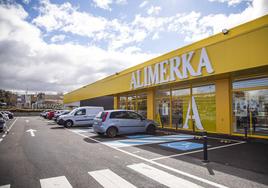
(73,111)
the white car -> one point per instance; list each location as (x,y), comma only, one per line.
(5,116)
(2,123)
(80,116)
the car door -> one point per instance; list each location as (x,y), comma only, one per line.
(80,117)
(135,122)
(119,119)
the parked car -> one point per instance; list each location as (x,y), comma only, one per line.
(4,115)
(50,114)
(44,113)
(116,122)
(60,113)
(2,122)
(10,114)
(80,116)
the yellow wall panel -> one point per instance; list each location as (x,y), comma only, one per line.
(116,102)
(150,104)
(223,106)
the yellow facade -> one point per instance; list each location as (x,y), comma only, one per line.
(242,52)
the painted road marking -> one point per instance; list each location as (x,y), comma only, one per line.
(31,131)
(147,140)
(139,136)
(12,124)
(82,130)
(162,177)
(56,182)
(158,164)
(197,151)
(7,131)
(183,146)
(109,179)
(5,186)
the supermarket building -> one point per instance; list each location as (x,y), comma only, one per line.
(219,84)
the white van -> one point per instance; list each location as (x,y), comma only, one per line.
(80,116)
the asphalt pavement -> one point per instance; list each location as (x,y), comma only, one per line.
(39,153)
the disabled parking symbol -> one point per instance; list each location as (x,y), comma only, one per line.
(183,145)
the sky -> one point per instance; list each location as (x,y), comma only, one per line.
(58,46)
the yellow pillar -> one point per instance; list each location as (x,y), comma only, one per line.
(116,102)
(223,107)
(150,104)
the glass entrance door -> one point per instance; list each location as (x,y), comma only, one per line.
(180,103)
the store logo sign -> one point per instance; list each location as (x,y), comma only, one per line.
(195,116)
(171,69)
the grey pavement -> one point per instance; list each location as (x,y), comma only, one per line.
(78,155)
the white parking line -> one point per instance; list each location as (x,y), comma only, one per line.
(147,140)
(12,125)
(162,177)
(158,164)
(56,182)
(108,179)
(197,151)
(7,131)
(5,186)
(215,138)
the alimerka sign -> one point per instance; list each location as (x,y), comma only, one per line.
(169,70)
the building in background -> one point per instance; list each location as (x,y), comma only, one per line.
(48,101)
(8,98)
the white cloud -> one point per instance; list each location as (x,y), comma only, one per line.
(29,62)
(143,4)
(66,66)
(57,38)
(196,27)
(66,18)
(26,1)
(155,36)
(229,2)
(121,2)
(153,10)
(104,4)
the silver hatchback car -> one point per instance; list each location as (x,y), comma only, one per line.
(116,122)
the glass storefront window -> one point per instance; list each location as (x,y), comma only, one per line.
(250,110)
(180,104)
(135,102)
(162,102)
(131,102)
(123,102)
(142,104)
(204,108)
(242,84)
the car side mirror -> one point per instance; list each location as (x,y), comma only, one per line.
(142,118)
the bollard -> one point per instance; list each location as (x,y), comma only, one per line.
(205,147)
(246,132)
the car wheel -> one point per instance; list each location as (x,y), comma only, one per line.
(151,129)
(111,132)
(69,123)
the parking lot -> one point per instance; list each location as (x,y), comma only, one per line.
(39,153)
